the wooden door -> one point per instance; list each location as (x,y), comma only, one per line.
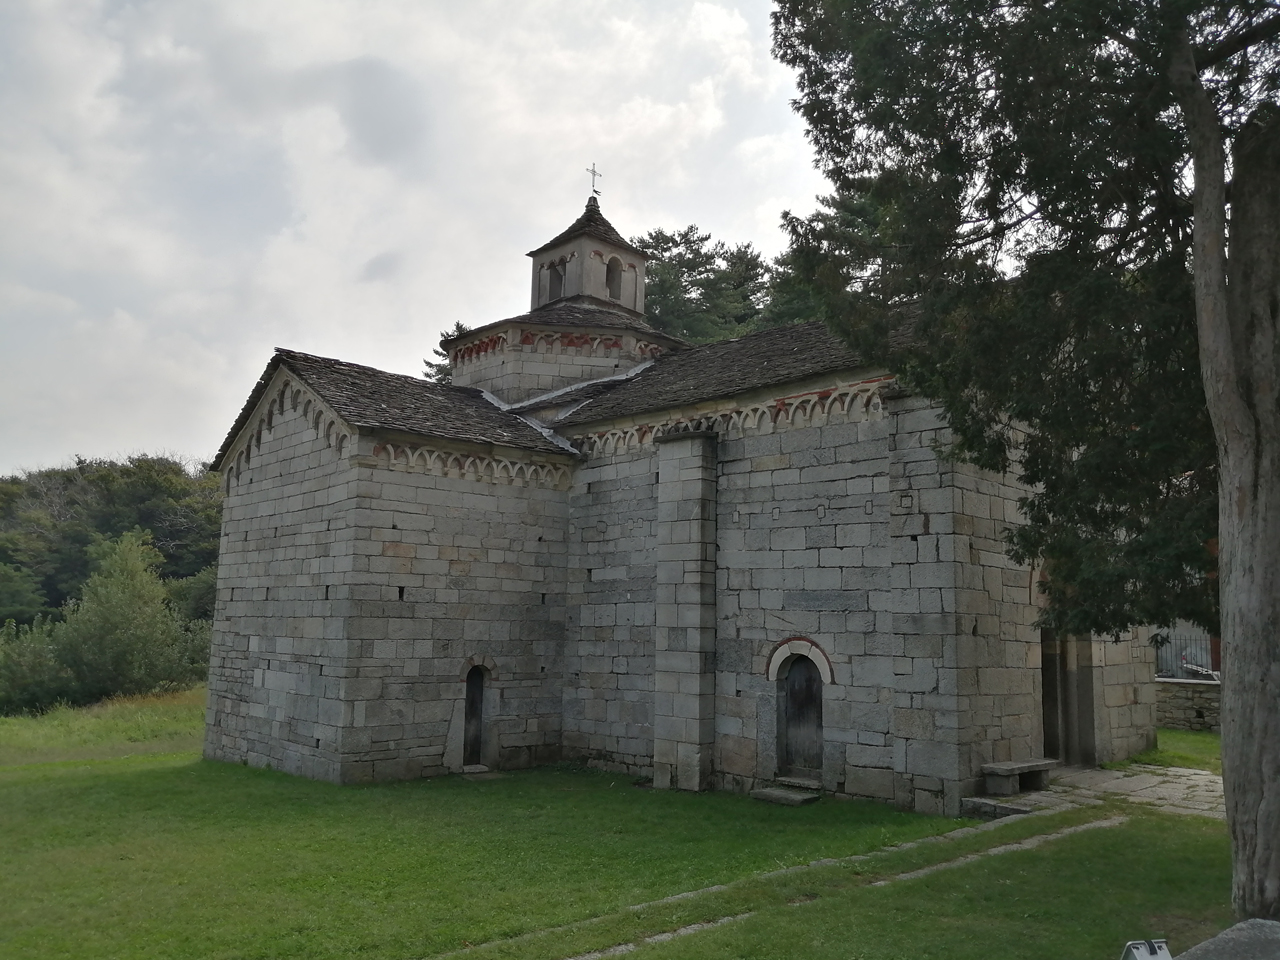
(473,726)
(801,715)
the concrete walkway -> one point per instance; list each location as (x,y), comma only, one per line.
(1175,789)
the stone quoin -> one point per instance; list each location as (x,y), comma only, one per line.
(710,565)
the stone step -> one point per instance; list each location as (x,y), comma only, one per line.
(800,783)
(984,808)
(786,796)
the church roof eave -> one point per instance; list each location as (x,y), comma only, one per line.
(581,313)
(371,399)
(714,371)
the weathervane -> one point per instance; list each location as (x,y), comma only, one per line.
(594,173)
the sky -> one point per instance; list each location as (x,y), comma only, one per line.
(186,186)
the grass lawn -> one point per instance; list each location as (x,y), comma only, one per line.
(1196,749)
(164,855)
(163,723)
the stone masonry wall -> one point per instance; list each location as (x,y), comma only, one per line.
(997,646)
(450,572)
(804,552)
(610,596)
(1189,704)
(839,530)
(527,362)
(1125,720)
(286,552)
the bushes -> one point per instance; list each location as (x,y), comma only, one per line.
(121,638)
(20,596)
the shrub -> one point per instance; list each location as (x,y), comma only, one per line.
(121,638)
(193,597)
(20,595)
(32,678)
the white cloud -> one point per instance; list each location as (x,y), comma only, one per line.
(188,185)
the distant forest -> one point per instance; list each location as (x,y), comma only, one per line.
(54,521)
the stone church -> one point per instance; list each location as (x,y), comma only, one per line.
(717,566)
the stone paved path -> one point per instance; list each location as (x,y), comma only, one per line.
(1175,789)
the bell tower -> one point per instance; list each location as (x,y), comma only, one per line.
(590,261)
(585,320)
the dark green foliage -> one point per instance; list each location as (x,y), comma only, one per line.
(699,290)
(440,370)
(20,596)
(32,677)
(1011,231)
(49,518)
(121,638)
(193,598)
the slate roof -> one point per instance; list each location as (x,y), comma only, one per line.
(722,369)
(593,224)
(579,311)
(374,399)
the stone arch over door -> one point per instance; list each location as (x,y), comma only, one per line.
(801,670)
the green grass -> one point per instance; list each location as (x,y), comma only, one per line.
(159,723)
(175,857)
(1082,896)
(167,856)
(1195,749)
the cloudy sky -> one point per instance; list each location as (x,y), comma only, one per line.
(185,186)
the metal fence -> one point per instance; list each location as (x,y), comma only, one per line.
(1189,655)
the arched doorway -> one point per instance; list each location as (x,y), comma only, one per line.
(800,719)
(473,718)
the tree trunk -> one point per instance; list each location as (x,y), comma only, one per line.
(1238,313)
(1249,527)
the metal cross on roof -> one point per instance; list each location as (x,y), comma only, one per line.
(594,173)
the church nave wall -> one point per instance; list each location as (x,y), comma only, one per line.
(609,659)
(452,572)
(803,551)
(286,551)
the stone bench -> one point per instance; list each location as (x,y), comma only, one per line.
(1017,776)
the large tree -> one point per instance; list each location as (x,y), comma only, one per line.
(1088,192)
(701,290)
(50,518)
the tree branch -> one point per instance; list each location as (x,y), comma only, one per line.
(1233,44)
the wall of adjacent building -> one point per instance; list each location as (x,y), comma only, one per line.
(1126,705)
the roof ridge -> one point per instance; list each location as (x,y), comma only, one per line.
(592,223)
(286,353)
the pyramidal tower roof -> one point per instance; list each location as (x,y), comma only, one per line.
(591,224)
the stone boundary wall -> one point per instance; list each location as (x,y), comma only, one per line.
(1188,704)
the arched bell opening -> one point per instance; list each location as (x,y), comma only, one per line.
(613,278)
(800,718)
